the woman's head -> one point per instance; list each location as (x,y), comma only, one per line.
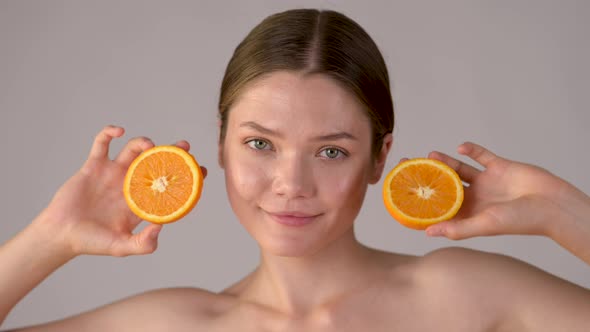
(306,116)
(313,42)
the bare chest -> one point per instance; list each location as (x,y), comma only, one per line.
(388,308)
(368,312)
(354,323)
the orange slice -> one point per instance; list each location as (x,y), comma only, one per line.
(163,184)
(421,192)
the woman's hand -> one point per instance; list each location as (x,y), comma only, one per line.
(89,214)
(508,197)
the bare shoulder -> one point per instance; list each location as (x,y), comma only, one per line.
(452,258)
(188,307)
(193,295)
(198,301)
(178,309)
(518,294)
(469,264)
(474,269)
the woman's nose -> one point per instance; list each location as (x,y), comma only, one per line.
(293,177)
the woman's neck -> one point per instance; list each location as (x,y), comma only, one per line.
(298,285)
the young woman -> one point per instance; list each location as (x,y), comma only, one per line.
(306,118)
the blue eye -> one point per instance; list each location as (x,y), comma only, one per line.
(258,144)
(332,153)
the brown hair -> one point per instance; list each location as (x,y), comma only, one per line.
(313,42)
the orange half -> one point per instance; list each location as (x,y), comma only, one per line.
(163,184)
(421,192)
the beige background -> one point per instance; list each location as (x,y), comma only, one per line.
(512,75)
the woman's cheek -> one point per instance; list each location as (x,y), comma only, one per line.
(247,177)
(348,188)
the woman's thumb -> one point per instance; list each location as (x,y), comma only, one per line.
(144,242)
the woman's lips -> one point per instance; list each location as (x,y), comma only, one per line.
(293,219)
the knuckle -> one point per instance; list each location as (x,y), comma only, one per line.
(100,136)
(138,242)
(453,234)
(105,130)
(104,135)
(119,253)
(140,140)
(151,248)
(137,139)
(90,167)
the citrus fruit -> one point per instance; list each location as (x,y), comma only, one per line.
(421,192)
(163,184)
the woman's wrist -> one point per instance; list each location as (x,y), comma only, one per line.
(48,237)
(570,225)
(562,202)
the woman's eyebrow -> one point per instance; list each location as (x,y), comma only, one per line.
(259,128)
(335,137)
(328,137)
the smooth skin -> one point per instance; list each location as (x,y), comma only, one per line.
(298,149)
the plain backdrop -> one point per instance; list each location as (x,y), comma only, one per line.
(512,75)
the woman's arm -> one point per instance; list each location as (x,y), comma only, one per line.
(27,259)
(509,197)
(88,215)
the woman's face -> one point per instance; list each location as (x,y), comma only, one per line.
(297,160)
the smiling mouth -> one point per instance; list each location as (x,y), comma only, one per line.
(293,219)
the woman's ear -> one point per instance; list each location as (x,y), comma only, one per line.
(379,162)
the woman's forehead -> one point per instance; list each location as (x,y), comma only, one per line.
(288,99)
